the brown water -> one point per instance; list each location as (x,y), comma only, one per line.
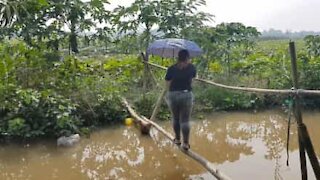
(242,145)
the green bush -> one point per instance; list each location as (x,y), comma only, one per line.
(105,111)
(208,99)
(31,113)
(17,127)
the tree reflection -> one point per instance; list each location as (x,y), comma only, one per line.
(230,137)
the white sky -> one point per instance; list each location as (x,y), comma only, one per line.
(293,15)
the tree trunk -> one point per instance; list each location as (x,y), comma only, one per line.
(73,37)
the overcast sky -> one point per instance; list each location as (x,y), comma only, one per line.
(293,15)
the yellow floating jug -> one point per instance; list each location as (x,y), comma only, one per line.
(128,121)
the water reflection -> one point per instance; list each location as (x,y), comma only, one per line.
(240,144)
(230,137)
(251,134)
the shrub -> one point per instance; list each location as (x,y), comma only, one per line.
(210,98)
(30,113)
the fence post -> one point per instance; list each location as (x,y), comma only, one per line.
(303,135)
(297,111)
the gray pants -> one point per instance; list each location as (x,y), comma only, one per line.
(180,104)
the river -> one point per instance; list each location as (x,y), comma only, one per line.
(243,145)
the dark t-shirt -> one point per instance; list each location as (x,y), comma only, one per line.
(180,78)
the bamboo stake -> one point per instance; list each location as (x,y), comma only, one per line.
(158,104)
(249,89)
(153,77)
(310,150)
(205,163)
(303,135)
(297,112)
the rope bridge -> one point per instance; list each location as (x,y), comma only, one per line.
(305,143)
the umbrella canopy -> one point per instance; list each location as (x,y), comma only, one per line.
(170,47)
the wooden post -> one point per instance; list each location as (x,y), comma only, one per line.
(303,135)
(310,150)
(158,104)
(297,112)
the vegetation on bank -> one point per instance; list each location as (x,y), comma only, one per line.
(50,87)
(46,94)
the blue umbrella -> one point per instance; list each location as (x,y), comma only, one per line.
(170,47)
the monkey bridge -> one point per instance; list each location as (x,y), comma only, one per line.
(305,143)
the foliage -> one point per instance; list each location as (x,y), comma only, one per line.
(30,113)
(9,12)
(179,18)
(211,98)
(164,18)
(46,20)
(70,95)
(48,93)
(313,45)
(140,13)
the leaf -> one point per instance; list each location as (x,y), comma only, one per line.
(43,2)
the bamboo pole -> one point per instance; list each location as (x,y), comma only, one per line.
(303,135)
(153,77)
(253,90)
(310,150)
(158,104)
(297,112)
(205,163)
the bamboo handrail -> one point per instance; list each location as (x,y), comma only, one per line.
(205,163)
(249,89)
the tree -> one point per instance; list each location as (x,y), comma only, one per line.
(142,16)
(159,18)
(178,18)
(10,11)
(232,38)
(18,18)
(79,16)
(227,42)
(52,20)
